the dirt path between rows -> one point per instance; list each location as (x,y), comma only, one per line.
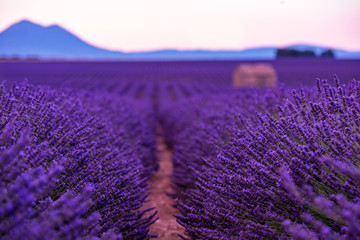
(166,226)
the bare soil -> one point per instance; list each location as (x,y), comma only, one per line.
(166,226)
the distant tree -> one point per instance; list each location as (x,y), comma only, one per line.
(284,52)
(327,53)
(307,53)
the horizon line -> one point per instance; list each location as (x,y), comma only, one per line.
(176,48)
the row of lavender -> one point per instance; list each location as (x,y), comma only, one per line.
(291,72)
(268,164)
(146,91)
(138,80)
(74,164)
(178,80)
(91,149)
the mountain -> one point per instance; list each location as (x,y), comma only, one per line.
(26,39)
(256,53)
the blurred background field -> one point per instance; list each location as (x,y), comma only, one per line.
(131,78)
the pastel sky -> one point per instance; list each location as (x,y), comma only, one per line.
(133,25)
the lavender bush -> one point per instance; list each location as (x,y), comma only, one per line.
(71,170)
(227,175)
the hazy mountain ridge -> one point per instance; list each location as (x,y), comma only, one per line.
(26,39)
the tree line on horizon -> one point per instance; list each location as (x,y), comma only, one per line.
(286,52)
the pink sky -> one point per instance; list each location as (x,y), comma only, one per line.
(134,25)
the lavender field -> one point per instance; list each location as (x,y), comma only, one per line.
(96,150)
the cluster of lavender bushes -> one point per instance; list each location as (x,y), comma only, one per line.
(268,164)
(74,164)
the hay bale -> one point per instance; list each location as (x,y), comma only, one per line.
(254,75)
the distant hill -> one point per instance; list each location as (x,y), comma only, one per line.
(26,39)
